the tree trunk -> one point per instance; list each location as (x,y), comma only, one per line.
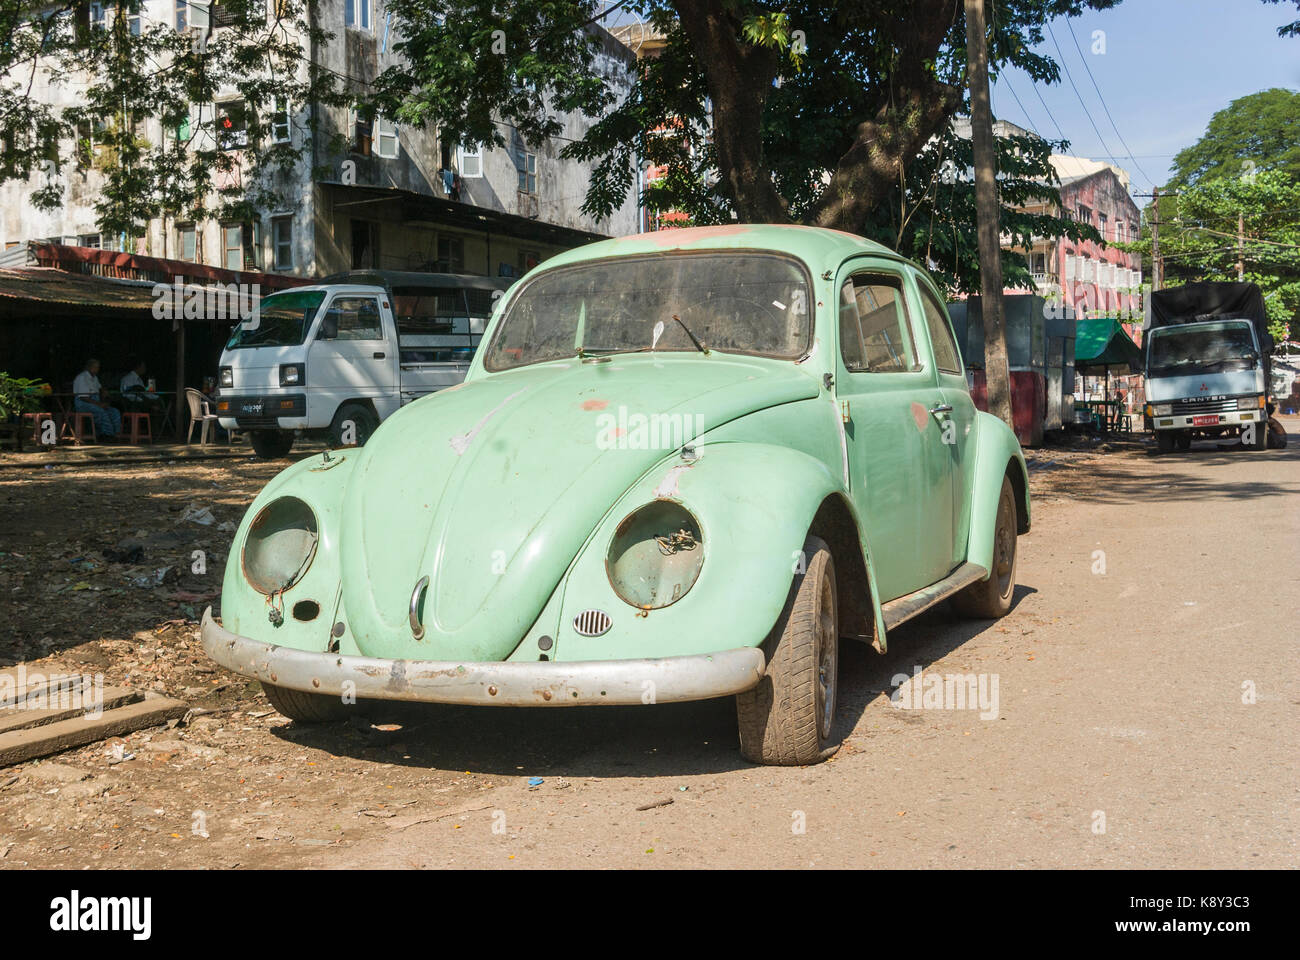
(997,376)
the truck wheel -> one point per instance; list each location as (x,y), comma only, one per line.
(787,718)
(364,423)
(1165,441)
(305,707)
(1261,437)
(271,444)
(990,599)
(1184,441)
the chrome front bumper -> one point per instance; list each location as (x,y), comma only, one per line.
(509,684)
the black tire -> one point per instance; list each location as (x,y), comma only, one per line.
(1261,437)
(271,444)
(1165,441)
(305,707)
(786,720)
(364,422)
(1184,441)
(990,599)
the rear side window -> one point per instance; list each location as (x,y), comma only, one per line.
(874,336)
(945,346)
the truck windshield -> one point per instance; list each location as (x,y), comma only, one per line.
(283,320)
(1204,347)
(739,302)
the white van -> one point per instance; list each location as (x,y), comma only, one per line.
(336,358)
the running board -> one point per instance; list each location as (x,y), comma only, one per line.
(906,607)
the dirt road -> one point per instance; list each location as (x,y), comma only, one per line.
(1147,714)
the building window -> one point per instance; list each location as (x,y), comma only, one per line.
(356,14)
(386,141)
(237,248)
(1085,214)
(1102,220)
(187,242)
(133,24)
(451,255)
(365,244)
(97,18)
(232,128)
(183,131)
(526,164)
(88,240)
(362,134)
(471,161)
(182,18)
(279,120)
(282,242)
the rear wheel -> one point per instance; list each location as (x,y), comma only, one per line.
(271,444)
(1165,441)
(787,718)
(353,425)
(991,598)
(305,707)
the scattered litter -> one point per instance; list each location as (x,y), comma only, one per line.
(657,803)
(200,515)
(535,781)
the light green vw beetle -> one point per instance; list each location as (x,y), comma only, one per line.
(683,465)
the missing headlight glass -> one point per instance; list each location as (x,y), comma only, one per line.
(280,546)
(656,555)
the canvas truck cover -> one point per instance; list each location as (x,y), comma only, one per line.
(1194,302)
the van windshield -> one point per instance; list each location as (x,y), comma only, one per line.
(283,320)
(1210,348)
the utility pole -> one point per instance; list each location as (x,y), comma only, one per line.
(1241,246)
(1156,265)
(996,374)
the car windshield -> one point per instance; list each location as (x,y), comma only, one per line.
(740,302)
(1215,347)
(283,319)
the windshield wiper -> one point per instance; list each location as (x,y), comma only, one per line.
(694,339)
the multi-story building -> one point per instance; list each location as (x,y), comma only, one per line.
(364,193)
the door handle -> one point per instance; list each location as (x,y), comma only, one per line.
(940,408)
(379,356)
(413,614)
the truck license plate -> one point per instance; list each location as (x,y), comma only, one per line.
(1209,420)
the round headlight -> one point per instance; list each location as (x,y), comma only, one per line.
(656,555)
(280,546)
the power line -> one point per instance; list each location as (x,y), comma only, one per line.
(1021,106)
(1059,132)
(1069,77)
(1084,60)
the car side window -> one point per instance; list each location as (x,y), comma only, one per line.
(873,325)
(946,355)
(352,318)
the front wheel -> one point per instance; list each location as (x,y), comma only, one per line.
(1165,441)
(1258,438)
(1184,441)
(991,598)
(353,425)
(305,707)
(787,718)
(271,444)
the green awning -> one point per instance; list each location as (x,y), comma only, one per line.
(1102,342)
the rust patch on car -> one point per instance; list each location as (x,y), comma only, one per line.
(921,416)
(595,404)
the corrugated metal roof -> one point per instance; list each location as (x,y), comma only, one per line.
(37,289)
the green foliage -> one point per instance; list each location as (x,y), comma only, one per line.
(1291,29)
(1256,133)
(19,395)
(1198,239)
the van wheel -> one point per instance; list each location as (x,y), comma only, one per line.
(305,707)
(363,424)
(787,718)
(271,444)
(1165,441)
(990,599)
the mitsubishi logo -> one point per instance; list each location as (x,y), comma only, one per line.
(1204,387)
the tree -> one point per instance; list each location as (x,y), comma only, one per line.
(1291,29)
(1198,239)
(809,112)
(1255,133)
(137,76)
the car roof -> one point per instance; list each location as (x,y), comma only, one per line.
(409,278)
(815,245)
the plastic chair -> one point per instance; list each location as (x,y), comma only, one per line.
(76,426)
(199,413)
(133,422)
(38,421)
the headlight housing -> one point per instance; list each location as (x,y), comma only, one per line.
(280,546)
(1163,409)
(655,555)
(1250,403)
(293,374)
(227,375)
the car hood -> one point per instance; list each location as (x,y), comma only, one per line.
(491,488)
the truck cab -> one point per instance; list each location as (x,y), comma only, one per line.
(1206,366)
(337,358)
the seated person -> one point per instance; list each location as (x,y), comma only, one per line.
(89,398)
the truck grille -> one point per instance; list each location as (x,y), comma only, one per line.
(1196,406)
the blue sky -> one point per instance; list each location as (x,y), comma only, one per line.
(1169,66)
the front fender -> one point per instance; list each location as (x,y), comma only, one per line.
(997,451)
(755,504)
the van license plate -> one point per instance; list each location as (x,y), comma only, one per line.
(255,408)
(1209,420)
